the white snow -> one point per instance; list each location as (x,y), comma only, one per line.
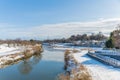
(97,70)
(4,50)
(62,48)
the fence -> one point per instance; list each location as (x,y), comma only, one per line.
(105,59)
(114,53)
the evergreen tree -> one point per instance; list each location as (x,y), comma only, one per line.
(110,42)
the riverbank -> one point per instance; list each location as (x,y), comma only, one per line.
(10,55)
(74,70)
(45,66)
(94,69)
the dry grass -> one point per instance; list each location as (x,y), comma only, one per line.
(81,73)
(37,49)
(67,52)
(75,51)
(78,73)
(64,77)
(66,58)
(27,53)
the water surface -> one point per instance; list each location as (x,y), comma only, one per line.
(40,67)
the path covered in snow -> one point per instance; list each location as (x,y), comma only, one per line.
(97,70)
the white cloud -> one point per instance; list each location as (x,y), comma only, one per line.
(62,29)
(67,29)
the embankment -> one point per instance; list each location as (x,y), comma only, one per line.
(73,69)
(27,52)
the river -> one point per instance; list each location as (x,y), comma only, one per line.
(39,67)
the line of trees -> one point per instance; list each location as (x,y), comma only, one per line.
(78,37)
(19,42)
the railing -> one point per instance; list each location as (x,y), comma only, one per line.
(114,53)
(105,59)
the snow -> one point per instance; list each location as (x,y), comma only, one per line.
(62,48)
(71,65)
(4,50)
(97,70)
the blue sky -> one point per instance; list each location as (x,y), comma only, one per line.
(18,15)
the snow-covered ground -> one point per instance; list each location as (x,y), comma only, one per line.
(5,50)
(62,48)
(97,70)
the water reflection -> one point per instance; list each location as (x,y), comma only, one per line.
(36,59)
(36,68)
(27,65)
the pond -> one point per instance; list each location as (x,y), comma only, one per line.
(39,67)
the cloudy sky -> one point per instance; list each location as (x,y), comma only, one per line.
(42,19)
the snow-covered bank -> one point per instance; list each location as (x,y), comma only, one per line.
(74,70)
(10,55)
(5,50)
(97,70)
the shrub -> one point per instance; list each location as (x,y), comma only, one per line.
(75,51)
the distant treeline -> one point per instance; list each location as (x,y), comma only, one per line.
(19,42)
(78,37)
